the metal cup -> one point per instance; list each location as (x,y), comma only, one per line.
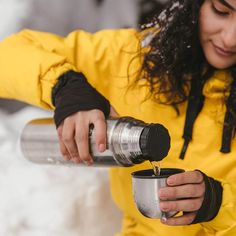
(146,186)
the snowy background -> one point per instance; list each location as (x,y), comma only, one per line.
(51,200)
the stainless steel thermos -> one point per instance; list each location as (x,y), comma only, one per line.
(129,142)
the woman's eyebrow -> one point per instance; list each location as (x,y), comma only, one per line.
(227,4)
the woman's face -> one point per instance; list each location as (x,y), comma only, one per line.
(218,32)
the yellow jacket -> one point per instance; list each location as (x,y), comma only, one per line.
(30,64)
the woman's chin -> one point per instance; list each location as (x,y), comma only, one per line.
(220,64)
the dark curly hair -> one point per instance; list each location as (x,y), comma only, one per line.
(174,52)
(174,59)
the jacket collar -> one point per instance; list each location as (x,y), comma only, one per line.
(218,85)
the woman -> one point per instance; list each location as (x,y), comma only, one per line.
(179,72)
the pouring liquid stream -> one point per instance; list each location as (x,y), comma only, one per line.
(156,168)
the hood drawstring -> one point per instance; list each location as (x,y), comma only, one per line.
(229,120)
(195,104)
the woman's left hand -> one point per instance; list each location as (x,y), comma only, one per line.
(185,192)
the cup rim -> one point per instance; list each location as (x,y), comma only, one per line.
(149,174)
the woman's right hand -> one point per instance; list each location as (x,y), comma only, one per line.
(73,134)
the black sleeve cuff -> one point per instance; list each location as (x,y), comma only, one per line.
(212,200)
(73,93)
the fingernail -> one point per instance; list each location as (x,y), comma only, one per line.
(165,209)
(89,163)
(76,160)
(170,181)
(163,218)
(160,193)
(67,157)
(101,147)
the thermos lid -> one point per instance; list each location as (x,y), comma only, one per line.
(155,142)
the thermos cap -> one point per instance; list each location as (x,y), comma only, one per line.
(155,142)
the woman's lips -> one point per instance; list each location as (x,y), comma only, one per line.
(223,52)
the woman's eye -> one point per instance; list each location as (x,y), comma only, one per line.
(219,12)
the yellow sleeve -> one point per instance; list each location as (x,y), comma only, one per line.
(28,72)
(31,61)
(224,223)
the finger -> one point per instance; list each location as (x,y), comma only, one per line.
(185,219)
(189,177)
(181,205)
(182,191)
(63,149)
(76,160)
(100,133)
(68,134)
(82,139)
(113,112)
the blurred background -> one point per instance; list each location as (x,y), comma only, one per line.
(42,200)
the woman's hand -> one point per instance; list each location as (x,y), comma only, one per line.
(73,134)
(185,192)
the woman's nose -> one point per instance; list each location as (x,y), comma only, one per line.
(229,37)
